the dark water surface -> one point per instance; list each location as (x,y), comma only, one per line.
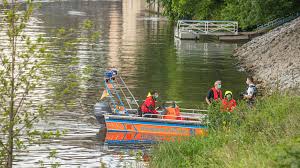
(142,47)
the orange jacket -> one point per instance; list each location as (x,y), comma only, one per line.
(173,113)
(228,105)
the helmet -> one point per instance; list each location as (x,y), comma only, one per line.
(228,92)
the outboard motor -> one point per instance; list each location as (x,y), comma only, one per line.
(102,108)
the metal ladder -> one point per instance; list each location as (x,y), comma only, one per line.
(127,95)
(120,93)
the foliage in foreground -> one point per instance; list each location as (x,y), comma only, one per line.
(265,136)
(27,64)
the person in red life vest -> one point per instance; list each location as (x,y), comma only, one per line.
(148,107)
(215,93)
(228,103)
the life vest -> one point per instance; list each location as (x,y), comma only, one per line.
(146,106)
(173,113)
(217,94)
(228,105)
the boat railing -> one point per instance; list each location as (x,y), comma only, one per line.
(159,118)
(180,116)
(192,110)
(192,114)
(184,117)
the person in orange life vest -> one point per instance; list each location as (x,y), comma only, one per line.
(172,112)
(228,103)
(215,93)
(149,104)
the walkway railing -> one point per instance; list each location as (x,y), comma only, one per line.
(277,22)
(207,27)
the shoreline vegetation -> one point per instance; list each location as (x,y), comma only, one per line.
(249,13)
(267,135)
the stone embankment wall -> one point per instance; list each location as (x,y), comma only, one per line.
(274,58)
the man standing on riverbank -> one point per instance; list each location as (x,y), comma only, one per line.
(251,91)
(215,93)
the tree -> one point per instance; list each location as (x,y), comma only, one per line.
(179,9)
(249,13)
(20,71)
(23,68)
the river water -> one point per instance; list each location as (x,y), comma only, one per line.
(141,45)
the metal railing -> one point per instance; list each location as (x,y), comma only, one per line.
(277,22)
(207,27)
(196,120)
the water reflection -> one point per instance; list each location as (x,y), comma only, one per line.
(143,48)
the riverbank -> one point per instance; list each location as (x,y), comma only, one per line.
(264,136)
(274,58)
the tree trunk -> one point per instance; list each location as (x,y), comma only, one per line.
(12,92)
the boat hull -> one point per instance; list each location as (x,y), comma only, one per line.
(119,138)
(154,126)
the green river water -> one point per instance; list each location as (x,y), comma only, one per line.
(142,46)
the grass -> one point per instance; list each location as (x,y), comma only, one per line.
(267,135)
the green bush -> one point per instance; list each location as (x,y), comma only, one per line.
(266,135)
(249,13)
